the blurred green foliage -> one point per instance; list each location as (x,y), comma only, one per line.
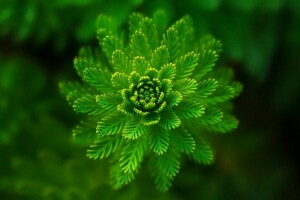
(38,159)
(59,21)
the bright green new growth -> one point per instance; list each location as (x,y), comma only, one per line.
(154,97)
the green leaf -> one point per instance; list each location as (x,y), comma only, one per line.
(227,124)
(120,81)
(139,45)
(166,86)
(162,181)
(159,139)
(109,102)
(151,73)
(238,88)
(171,41)
(222,94)
(134,22)
(160,57)
(85,133)
(126,108)
(166,167)
(168,71)
(185,86)
(109,44)
(132,155)
(150,31)
(173,99)
(211,116)
(120,62)
(224,75)
(184,140)
(169,163)
(189,109)
(210,43)
(80,65)
(99,79)
(140,65)
(134,129)
(186,64)
(185,29)
(203,153)
(73,91)
(207,59)
(111,124)
(169,120)
(118,178)
(151,119)
(88,58)
(206,88)
(134,77)
(87,104)
(104,147)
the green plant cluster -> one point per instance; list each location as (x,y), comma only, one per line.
(143,98)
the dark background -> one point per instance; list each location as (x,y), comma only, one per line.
(39,159)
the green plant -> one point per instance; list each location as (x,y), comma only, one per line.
(155,97)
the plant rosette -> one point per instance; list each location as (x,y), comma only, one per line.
(155,96)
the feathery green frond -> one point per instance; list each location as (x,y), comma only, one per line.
(211,116)
(104,147)
(186,64)
(227,124)
(160,57)
(206,88)
(120,62)
(190,109)
(108,102)
(203,153)
(185,29)
(184,141)
(210,43)
(99,79)
(118,178)
(120,81)
(87,104)
(185,86)
(132,155)
(140,64)
(171,41)
(207,60)
(111,124)
(165,168)
(134,128)
(72,91)
(159,140)
(139,45)
(173,99)
(111,43)
(150,31)
(223,93)
(84,133)
(168,71)
(134,22)
(169,120)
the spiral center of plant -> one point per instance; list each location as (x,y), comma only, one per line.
(146,95)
